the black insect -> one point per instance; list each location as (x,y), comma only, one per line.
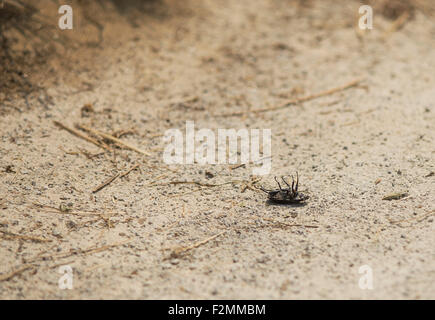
(286,196)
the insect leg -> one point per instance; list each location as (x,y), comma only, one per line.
(285,182)
(262,189)
(278,184)
(297,181)
(293,185)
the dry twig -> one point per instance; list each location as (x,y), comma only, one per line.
(81,135)
(80,252)
(178,251)
(105,183)
(111,179)
(297,100)
(113,139)
(10,236)
(397,24)
(10,275)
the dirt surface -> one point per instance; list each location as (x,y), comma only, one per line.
(141,237)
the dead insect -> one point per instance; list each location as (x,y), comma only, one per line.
(286,196)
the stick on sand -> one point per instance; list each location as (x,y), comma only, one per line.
(11,236)
(296,100)
(113,139)
(111,179)
(179,251)
(81,135)
(10,275)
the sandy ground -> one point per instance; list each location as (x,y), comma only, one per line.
(143,238)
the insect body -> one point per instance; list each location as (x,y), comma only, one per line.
(286,196)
